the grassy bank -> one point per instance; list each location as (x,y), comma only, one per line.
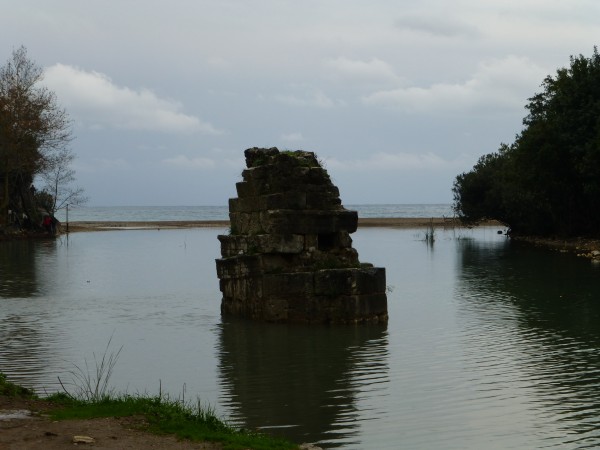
(161,416)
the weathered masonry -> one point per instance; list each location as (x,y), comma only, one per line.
(289,255)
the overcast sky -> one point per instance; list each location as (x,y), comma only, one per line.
(396,97)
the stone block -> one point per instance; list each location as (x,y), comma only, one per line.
(258,156)
(344,240)
(242,288)
(239,266)
(334,282)
(255,225)
(291,199)
(276,309)
(246,223)
(288,284)
(240,222)
(329,191)
(232,245)
(317,200)
(245,204)
(365,305)
(308,221)
(245,189)
(257,173)
(369,280)
(232,307)
(278,263)
(311,242)
(279,243)
(317,176)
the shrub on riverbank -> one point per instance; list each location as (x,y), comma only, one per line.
(546,183)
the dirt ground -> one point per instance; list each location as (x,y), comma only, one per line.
(25,426)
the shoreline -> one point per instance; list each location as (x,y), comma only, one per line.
(388,222)
(585,247)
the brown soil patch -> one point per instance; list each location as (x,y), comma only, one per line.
(37,431)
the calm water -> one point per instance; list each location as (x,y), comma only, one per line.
(490,344)
(152,213)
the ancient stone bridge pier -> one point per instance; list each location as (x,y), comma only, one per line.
(289,254)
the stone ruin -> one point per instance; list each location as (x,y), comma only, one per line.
(289,255)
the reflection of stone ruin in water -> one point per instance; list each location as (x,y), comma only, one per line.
(302,383)
(289,257)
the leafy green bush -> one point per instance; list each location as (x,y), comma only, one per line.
(548,181)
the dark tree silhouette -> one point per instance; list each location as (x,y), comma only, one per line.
(34,135)
(548,181)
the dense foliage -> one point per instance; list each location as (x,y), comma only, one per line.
(34,137)
(548,181)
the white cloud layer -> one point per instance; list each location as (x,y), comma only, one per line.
(423,82)
(439,26)
(498,84)
(315,99)
(384,161)
(292,137)
(103,165)
(185,162)
(373,70)
(93,98)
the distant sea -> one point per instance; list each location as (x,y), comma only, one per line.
(185,213)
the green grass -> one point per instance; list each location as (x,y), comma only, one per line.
(9,389)
(163,416)
(91,382)
(302,160)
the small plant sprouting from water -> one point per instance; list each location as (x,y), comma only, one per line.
(92,383)
(430,233)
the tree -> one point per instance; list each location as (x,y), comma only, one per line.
(58,176)
(548,181)
(34,131)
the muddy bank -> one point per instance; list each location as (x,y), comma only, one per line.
(584,247)
(24,424)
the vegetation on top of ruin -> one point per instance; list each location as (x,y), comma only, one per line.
(261,157)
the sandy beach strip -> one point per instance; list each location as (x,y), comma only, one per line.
(401,222)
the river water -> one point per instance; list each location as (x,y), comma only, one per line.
(490,344)
(182,213)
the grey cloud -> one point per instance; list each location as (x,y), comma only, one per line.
(438,26)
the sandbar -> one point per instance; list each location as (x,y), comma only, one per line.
(388,222)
